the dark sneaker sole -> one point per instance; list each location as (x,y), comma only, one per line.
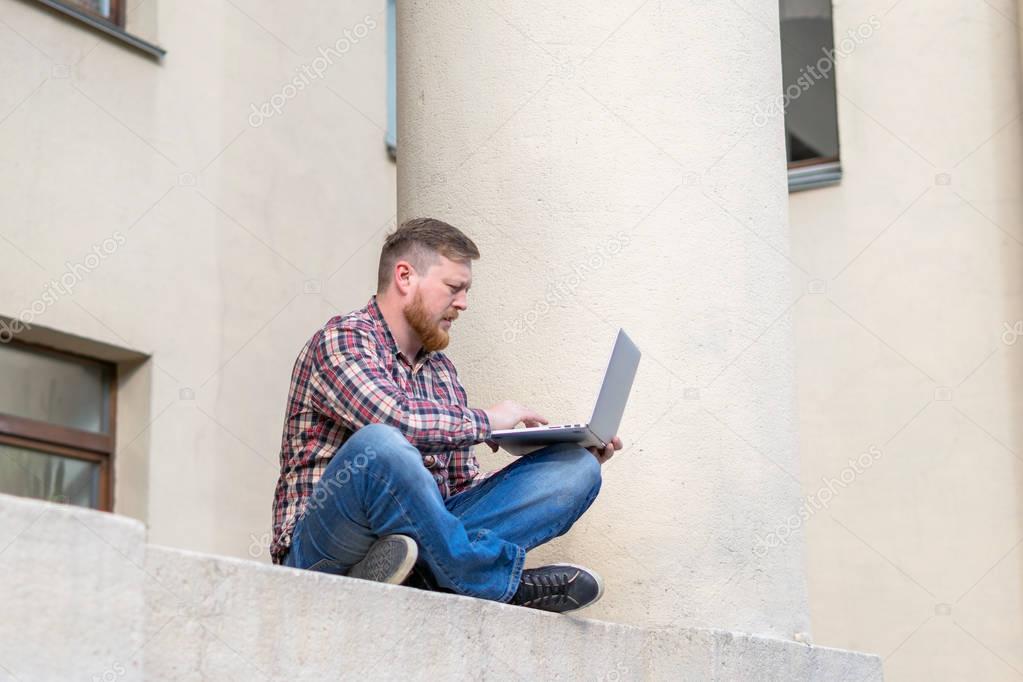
(389,560)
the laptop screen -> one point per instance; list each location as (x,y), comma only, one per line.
(614,392)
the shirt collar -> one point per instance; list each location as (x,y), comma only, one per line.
(374,312)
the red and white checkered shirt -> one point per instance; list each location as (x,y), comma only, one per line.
(351,373)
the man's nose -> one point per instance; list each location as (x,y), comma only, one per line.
(461,301)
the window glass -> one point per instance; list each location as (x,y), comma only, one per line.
(808,49)
(55,389)
(391,140)
(30,473)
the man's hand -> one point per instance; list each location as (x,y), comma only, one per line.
(507,414)
(608,452)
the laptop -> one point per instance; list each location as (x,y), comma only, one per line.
(607,412)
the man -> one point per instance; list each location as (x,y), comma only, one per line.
(377,469)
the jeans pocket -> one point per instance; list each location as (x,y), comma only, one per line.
(328,566)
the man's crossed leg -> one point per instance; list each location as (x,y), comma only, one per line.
(475,542)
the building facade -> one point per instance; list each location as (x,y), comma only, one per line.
(821,444)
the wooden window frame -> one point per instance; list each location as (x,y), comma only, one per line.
(118,12)
(54,439)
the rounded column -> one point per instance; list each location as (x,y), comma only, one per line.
(619,164)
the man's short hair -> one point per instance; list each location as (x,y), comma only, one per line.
(420,241)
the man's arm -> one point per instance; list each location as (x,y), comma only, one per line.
(353,387)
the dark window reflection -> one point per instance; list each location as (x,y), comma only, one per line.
(808,67)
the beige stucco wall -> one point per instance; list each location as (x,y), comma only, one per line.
(240,239)
(232,237)
(918,558)
(607,161)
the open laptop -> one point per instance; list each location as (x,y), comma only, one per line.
(607,412)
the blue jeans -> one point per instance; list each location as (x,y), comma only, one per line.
(474,542)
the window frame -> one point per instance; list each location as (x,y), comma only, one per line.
(391,135)
(115,29)
(814,173)
(64,441)
(118,12)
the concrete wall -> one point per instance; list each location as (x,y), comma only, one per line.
(919,257)
(238,239)
(73,593)
(124,610)
(230,234)
(607,161)
(230,620)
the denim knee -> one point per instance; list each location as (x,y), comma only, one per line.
(579,475)
(377,437)
(384,449)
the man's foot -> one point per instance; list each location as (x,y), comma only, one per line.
(389,560)
(422,578)
(559,588)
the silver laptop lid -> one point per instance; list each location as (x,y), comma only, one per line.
(614,392)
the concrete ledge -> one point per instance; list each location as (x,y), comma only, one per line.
(72,604)
(85,598)
(229,620)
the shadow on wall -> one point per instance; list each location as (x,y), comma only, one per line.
(1015,284)
(1014,363)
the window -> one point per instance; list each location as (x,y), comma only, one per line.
(391,139)
(108,10)
(56,426)
(111,17)
(809,98)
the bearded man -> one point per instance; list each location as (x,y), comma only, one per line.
(378,478)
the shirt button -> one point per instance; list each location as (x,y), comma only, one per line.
(429,461)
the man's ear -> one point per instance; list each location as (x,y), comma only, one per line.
(404,276)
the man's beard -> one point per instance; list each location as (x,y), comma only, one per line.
(429,331)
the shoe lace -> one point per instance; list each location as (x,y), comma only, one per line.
(545,589)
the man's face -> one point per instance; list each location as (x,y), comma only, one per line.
(441,293)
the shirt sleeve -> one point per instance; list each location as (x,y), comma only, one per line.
(352,386)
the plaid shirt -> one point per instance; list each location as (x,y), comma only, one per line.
(351,373)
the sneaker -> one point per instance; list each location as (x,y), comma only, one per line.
(422,578)
(389,560)
(558,588)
